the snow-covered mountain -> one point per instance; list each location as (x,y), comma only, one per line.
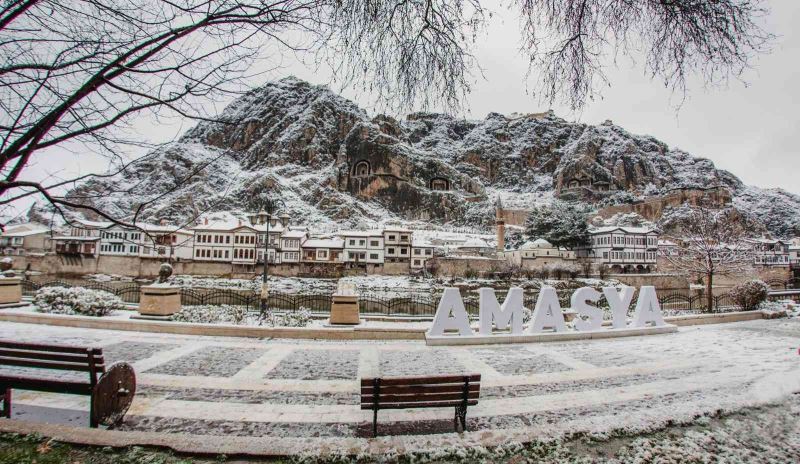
(333,164)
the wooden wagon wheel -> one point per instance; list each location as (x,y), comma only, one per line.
(113,394)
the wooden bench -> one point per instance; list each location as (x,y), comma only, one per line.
(440,391)
(110,394)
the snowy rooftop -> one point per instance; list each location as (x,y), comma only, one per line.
(626,229)
(295,234)
(538,243)
(323,243)
(24,230)
(94,224)
(765,241)
(360,233)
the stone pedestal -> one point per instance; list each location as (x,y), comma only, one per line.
(344,310)
(156,300)
(10,290)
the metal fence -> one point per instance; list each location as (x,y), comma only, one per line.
(780,284)
(687,302)
(421,304)
(128,292)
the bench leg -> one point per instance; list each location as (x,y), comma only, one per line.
(7,404)
(375,423)
(92,422)
(460,420)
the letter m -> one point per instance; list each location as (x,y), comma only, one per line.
(509,314)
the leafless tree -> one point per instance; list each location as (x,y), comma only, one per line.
(711,243)
(569,42)
(74,73)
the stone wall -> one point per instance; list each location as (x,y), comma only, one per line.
(458,266)
(662,282)
(395,269)
(722,284)
(148,268)
(652,208)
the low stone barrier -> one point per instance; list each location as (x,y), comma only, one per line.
(715,318)
(186,328)
(344,333)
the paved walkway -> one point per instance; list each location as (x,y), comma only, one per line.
(224,387)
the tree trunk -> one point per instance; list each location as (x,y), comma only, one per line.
(709,292)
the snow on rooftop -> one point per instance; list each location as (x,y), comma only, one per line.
(323,243)
(94,224)
(627,229)
(24,230)
(360,233)
(295,234)
(538,243)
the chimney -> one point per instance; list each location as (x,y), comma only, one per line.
(162,222)
(205,221)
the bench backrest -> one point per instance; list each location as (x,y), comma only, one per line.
(420,392)
(57,357)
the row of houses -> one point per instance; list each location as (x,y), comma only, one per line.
(620,249)
(228,241)
(637,250)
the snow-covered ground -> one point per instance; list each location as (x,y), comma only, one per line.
(302,396)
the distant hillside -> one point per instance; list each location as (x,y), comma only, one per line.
(334,164)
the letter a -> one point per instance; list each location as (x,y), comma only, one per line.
(510,313)
(647,309)
(547,313)
(450,315)
(593,314)
(619,304)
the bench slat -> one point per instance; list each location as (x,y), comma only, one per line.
(434,404)
(41,347)
(431,380)
(62,366)
(50,356)
(399,389)
(46,385)
(416,398)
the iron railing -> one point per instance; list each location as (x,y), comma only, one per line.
(128,292)
(419,304)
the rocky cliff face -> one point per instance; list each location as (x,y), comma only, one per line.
(333,163)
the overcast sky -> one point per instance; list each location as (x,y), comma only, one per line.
(748,129)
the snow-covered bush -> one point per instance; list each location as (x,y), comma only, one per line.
(470,273)
(76,300)
(209,314)
(299,318)
(749,294)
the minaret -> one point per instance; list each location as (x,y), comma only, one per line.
(501,225)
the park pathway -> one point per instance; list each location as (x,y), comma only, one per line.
(249,388)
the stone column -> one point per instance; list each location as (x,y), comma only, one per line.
(159,301)
(344,306)
(10,290)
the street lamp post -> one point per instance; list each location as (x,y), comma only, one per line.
(269,209)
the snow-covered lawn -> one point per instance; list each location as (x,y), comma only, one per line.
(716,393)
